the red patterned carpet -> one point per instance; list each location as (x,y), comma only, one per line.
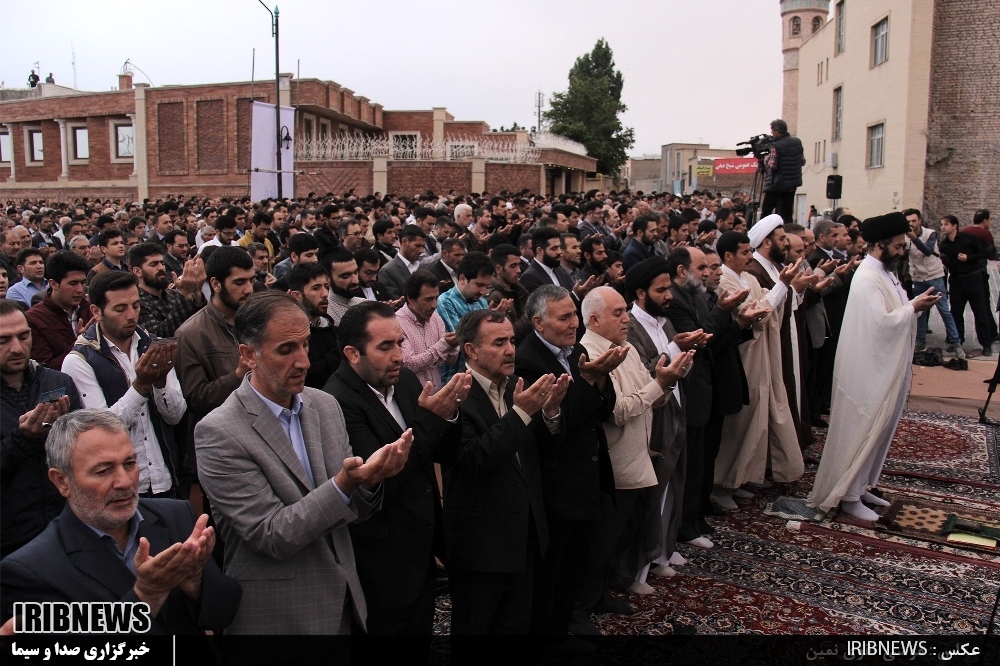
(768,576)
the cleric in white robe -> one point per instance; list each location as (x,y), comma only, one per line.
(871,375)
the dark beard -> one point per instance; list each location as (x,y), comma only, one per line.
(776,254)
(654,310)
(891,264)
(158,282)
(551,262)
(343,292)
(598,266)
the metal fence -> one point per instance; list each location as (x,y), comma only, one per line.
(411,147)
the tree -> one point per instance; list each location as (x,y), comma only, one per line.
(589,110)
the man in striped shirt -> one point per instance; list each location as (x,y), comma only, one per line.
(426,344)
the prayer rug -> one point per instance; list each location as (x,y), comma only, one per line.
(937,447)
(923,519)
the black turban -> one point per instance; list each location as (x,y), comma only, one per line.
(884,227)
(643,273)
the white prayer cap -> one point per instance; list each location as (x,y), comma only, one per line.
(763,229)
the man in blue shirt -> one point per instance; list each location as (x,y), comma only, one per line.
(31,267)
(475,275)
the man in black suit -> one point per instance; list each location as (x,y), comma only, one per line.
(820,383)
(576,470)
(494,517)
(716,385)
(368,285)
(108,545)
(452,253)
(395,548)
(546,268)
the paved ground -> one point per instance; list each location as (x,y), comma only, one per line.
(937,337)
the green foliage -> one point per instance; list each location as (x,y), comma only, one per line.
(589,110)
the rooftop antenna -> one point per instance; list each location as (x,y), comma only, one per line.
(539,102)
(72,50)
(128,63)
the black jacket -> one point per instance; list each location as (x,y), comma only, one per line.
(69,562)
(324,352)
(492,499)
(443,275)
(328,242)
(28,500)
(577,468)
(395,548)
(787,174)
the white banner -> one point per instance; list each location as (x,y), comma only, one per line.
(263,153)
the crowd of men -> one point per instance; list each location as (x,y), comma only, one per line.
(539,396)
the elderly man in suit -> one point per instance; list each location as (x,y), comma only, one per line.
(381,399)
(494,517)
(284,484)
(578,470)
(108,545)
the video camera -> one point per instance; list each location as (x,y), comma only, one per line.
(759,146)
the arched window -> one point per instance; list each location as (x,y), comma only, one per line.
(796,26)
(817,23)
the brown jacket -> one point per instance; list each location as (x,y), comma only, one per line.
(207,356)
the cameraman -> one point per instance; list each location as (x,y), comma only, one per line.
(784,172)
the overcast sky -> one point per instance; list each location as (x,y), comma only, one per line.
(706,71)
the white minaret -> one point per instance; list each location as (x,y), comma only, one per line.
(799,19)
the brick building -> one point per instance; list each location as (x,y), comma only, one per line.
(148,142)
(899,97)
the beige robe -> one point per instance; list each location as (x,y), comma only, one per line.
(763,429)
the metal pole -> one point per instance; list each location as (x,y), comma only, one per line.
(277,98)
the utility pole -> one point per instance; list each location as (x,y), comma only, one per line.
(277,92)
(539,102)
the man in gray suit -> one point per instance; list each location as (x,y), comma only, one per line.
(284,484)
(395,273)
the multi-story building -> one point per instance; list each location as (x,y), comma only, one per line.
(147,142)
(899,97)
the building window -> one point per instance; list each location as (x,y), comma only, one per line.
(876,141)
(880,42)
(405,145)
(817,23)
(816,153)
(841,27)
(81,143)
(79,138)
(324,129)
(308,128)
(33,154)
(122,142)
(838,113)
(819,73)
(796,26)
(6,148)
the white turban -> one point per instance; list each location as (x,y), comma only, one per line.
(763,229)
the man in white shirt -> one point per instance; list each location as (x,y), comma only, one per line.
(116,365)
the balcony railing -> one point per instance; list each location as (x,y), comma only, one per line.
(411,147)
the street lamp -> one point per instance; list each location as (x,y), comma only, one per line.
(277,92)
(286,138)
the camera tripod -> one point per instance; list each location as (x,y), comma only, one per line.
(756,194)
